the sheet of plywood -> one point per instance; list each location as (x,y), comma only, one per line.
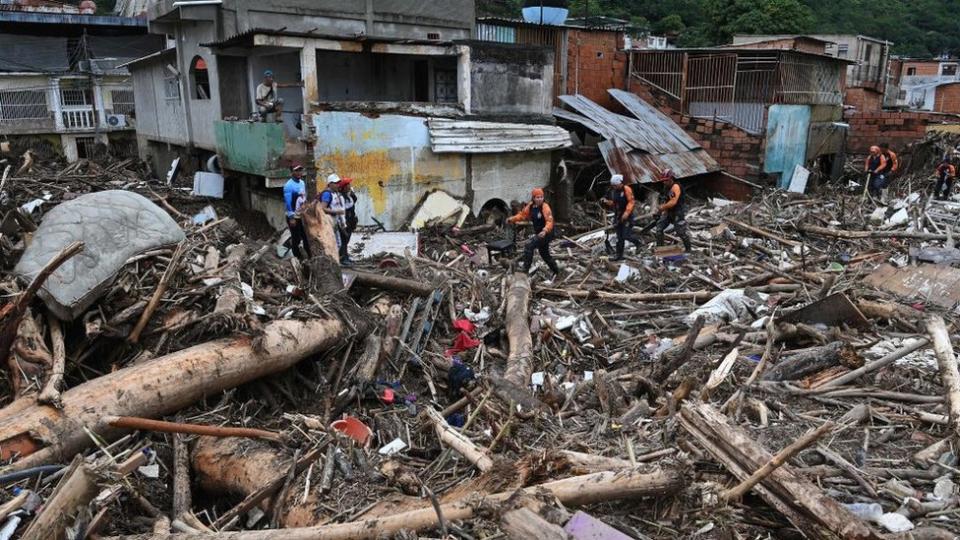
(935,284)
(831,311)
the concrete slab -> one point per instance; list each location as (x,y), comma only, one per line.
(114,226)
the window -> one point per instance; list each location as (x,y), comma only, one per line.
(948,70)
(76,97)
(911,72)
(843,50)
(867,52)
(445,83)
(200,78)
(23,104)
(171,85)
(86,147)
(122,101)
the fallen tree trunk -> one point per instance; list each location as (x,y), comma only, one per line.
(800,501)
(855,235)
(520,360)
(813,361)
(370,361)
(395,284)
(948,371)
(40,435)
(574,491)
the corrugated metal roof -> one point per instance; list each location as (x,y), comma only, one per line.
(642,147)
(474,137)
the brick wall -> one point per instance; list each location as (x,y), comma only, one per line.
(898,129)
(738,152)
(947,99)
(595,63)
(924,69)
(863,99)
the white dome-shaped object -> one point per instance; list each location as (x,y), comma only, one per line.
(545,11)
(88,7)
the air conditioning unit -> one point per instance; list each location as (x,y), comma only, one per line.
(117,120)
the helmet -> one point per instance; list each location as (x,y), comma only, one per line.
(874,149)
(667,174)
(616,180)
(537,192)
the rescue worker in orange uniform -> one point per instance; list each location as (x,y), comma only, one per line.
(539,213)
(892,167)
(875,165)
(673,211)
(946,173)
(622,202)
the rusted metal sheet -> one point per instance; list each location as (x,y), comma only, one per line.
(939,285)
(639,148)
(470,137)
(831,311)
(644,168)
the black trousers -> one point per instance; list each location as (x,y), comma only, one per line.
(625,234)
(541,245)
(679,222)
(944,181)
(298,237)
(345,235)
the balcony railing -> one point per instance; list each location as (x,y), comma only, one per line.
(79,118)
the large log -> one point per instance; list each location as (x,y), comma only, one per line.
(877,364)
(321,233)
(855,235)
(948,371)
(813,361)
(395,284)
(520,360)
(459,442)
(40,435)
(575,491)
(799,500)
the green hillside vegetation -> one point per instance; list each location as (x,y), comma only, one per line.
(917,27)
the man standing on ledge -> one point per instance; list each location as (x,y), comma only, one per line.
(296,189)
(538,212)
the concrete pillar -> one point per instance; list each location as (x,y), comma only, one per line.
(98,105)
(56,105)
(308,70)
(463,77)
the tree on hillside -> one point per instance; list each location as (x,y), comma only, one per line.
(729,17)
(669,25)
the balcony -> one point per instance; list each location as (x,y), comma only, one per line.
(257,148)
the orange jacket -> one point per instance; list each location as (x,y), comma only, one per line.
(524,215)
(866,164)
(672,198)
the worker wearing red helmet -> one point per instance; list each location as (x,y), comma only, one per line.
(673,211)
(539,213)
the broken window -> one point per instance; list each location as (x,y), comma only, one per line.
(86,147)
(23,105)
(171,83)
(948,70)
(911,72)
(379,77)
(200,77)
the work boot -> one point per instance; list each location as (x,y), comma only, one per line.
(686,245)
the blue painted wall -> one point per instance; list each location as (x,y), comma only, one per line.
(788,127)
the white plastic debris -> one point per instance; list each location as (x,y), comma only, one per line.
(478,317)
(207,214)
(626,272)
(150,471)
(29,207)
(729,306)
(537,379)
(895,523)
(866,511)
(900,217)
(392,447)
(720,374)
(944,488)
(247,290)
(587,376)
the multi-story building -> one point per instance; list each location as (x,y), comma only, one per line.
(925,84)
(388,92)
(59,75)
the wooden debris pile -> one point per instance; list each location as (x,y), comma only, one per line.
(791,377)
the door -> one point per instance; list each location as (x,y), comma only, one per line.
(787,130)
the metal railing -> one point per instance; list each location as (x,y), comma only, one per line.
(20,105)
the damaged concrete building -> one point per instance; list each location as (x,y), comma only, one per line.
(391,93)
(60,80)
(760,112)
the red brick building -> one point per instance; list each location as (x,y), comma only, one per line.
(587,61)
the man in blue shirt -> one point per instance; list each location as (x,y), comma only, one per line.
(294,194)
